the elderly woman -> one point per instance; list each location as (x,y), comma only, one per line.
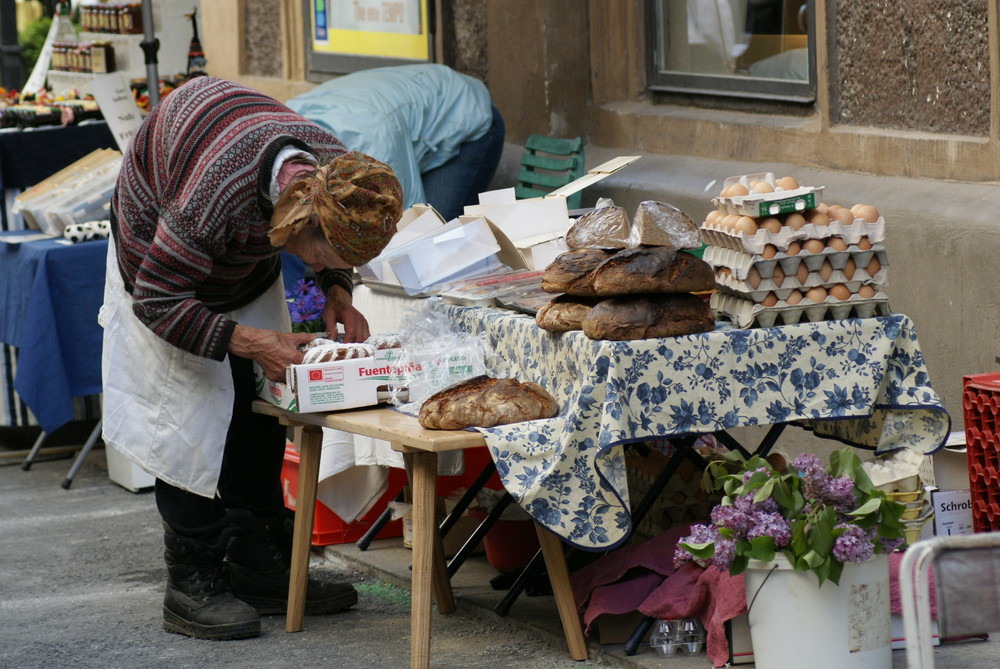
(215,183)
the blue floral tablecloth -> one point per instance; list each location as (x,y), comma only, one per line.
(862,381)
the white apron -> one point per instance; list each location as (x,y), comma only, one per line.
(166,409)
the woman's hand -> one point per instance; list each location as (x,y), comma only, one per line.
(273,351)
(339,309)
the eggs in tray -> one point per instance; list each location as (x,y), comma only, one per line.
(817,263)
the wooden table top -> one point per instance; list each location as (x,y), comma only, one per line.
(380,423)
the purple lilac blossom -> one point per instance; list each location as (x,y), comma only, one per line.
(771,525)
(854,545)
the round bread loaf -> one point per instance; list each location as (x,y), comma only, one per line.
(570,271)
(645,316)
(484,401)
(650,269)
(564,313)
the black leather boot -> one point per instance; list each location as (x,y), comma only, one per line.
(199,602)
(258,561)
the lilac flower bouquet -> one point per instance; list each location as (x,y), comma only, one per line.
(305,305)
(820,518)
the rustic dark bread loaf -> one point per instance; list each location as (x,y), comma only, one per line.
(564,313)
(644,316)
(650,269)
(484,401)
(570,271)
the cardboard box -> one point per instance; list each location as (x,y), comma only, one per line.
(952,512)
(329,386)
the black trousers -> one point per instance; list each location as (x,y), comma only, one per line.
(251,469)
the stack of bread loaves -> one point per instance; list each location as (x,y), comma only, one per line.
(782,256)
(625,280)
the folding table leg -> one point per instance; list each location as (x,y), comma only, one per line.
(91,440)
(28,461)
(310,441)
(424,472)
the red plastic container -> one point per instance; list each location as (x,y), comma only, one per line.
(329,528)
(981,413)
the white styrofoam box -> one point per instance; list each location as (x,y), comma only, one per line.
(126,473)
(951,468)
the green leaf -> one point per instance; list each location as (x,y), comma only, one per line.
(871,506)
(702,551)
(836,569)
(738,565)
(762,548)
(764,492)
(813,559)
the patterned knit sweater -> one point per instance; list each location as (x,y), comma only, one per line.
(190,215)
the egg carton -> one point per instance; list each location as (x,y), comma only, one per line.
(759,292)
(745,313)
(743,265)
(781,201)
(755,243)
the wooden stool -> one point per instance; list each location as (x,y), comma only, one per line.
(420,447)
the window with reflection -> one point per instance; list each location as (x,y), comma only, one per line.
(746,48)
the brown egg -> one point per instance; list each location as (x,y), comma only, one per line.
(753,277)
(830,208)
(813,246)
(788,183)
(745,225)
(795,221)
(724,192)
(844,216)
(873,266)
(712,215)
(769,300)
(864,244)
(818,218)
(738,189)
(771,224)
(855,208)
(778,276)
(849,268)
(817,294)
(801,273)
(825,270)
(839,291)
(836,243)
(866,292)
(821,208)
(770,250)
(794,297)
(867,212)
(793,249)
(764,187)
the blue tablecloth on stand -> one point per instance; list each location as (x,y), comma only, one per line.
(50,295)
(861,381)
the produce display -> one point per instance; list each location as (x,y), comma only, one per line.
(625,280)
(797,259)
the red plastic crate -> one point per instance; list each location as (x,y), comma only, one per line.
(329,528)
(981,413)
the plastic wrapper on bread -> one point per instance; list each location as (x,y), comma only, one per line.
(435,356)
(662,224)
(604,228)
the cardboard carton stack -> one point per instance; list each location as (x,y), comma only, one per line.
(781,256)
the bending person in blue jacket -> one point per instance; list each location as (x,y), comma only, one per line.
(435,127)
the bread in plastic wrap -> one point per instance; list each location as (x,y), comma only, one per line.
(603,228)
(662,224)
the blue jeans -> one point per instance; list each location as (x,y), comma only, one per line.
(457,183)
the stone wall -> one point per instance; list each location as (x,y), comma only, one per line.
(914,65)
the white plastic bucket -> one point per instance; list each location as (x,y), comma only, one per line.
(796,623)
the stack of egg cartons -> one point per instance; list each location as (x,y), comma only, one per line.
(781,256)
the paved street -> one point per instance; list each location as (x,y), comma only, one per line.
(82,575)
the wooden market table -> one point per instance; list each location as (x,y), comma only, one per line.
(420,447)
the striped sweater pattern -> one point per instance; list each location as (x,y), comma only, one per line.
(190,216)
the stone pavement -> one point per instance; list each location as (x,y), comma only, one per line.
(81,574)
